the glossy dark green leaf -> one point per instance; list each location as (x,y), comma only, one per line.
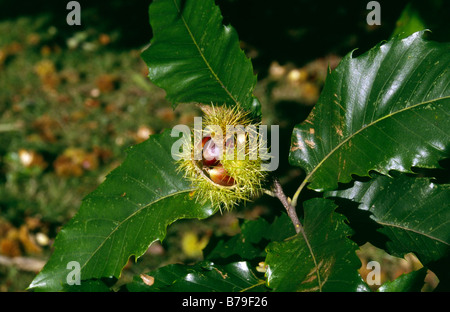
(324,261)
(88,286)
(387,109)
(128,211)
(410,282)
(195,58)
(201,277)
(251,242)
(245,245)
(414,213)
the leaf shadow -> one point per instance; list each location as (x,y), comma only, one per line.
(437,175)
(365,228)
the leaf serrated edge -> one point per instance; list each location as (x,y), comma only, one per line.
(306,180)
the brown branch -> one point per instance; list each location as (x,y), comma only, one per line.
(277,192)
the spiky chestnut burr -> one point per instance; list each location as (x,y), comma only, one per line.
(230,169)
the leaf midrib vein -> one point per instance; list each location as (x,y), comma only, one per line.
(414,231)
(216,77)
(337,147)
(130,216)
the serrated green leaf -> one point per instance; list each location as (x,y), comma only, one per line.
(410,282)
(414,213)
(128,211)
(324,261)
(244,245)
(88,286)
(195,58)
(387,109)
(250,243)
(201,277)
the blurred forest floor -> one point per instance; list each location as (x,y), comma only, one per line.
(72,99)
